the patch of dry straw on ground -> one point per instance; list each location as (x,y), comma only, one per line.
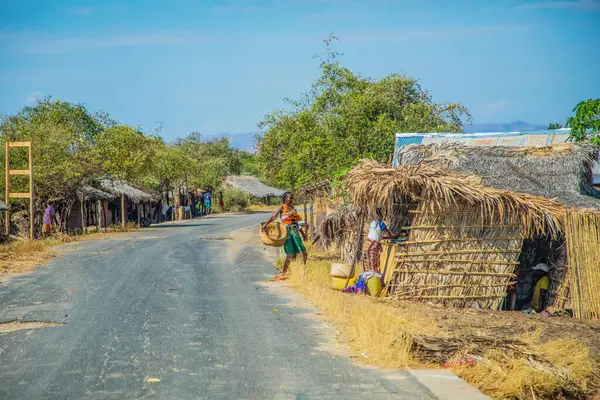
(24,255)
(516,356)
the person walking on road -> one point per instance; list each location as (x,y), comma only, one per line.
(293,242)
(207,202)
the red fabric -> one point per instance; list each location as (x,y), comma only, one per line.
(373,256)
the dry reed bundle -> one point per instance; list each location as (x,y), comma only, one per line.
(583,253)
(371,183)
(340,230)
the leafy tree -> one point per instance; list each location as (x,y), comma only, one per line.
(345,117)
(554,125)
(63,136)
(127,153)
(585,125)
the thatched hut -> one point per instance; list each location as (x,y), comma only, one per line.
(252,186)
(469,228)
(88,209)
(134,203)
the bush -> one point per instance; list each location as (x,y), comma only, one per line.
(235,200)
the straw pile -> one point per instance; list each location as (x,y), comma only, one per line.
(583,252)
(340,230)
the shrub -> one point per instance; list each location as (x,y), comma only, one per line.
(235,200)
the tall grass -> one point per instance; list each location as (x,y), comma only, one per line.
(383,333)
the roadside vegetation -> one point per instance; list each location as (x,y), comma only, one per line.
(73,146)
(505,355)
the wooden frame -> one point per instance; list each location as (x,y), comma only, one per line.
(9,194)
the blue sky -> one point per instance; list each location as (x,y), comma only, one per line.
(219,66)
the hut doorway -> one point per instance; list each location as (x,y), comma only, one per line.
(536,251)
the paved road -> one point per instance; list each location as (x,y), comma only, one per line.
(174,304)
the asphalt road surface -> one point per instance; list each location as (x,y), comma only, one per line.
(179,304)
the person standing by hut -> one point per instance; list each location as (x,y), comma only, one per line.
(377,231)
(293,243)
(49,220)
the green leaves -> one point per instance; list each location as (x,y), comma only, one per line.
(345,117)
(585,125)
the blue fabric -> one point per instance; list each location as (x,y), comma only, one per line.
(382,226)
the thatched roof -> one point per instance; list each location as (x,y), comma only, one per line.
(372,184)
(251,185)
(323,185)
(91,193)
(561,172)
(116,188)
(3,206)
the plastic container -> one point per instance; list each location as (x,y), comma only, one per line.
(340,270)
(374,286)
(340,283)
(274,234)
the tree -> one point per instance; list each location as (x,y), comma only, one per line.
(345,117)
(126,153)
(63,136)
(585,125)
(554,125)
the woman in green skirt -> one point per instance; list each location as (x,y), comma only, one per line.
(293,242)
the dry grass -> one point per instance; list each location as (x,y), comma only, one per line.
(24,255)
(262,208)
(518,356)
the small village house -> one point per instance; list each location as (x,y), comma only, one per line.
(252,186)
(474,214)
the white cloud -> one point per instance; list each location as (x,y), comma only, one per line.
(38,44)
(583,4)
(34,97)
(494,107)
(81,10)
(427,34)
(42,44)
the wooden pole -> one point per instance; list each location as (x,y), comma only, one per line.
(82,216)
(312,213)
(361,229)
(137,207)
(98,216)
(7,191)
(103,212)
(123,211)
(30,191)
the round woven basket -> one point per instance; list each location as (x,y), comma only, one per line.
(273,234)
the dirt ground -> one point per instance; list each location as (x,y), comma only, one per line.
(511,324)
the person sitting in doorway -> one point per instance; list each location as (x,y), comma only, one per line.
(539,300)
(377,231)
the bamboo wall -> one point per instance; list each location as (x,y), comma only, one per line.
(583,255)
(457,258)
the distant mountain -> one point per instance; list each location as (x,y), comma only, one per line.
(241,141)
(516,126)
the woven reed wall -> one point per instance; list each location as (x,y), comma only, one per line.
(583,254)
(457,257)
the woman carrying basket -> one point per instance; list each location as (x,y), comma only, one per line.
(293,242)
